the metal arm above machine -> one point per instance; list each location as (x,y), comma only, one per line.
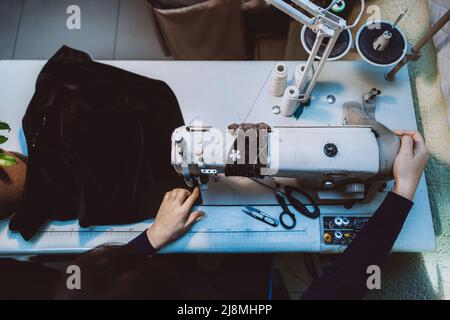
(318,14)
(325,24)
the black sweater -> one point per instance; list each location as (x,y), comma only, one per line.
(346,278)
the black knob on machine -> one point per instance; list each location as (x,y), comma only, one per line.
(330,150)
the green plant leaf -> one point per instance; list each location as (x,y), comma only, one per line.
(3,139)
(4,126)
(6,160)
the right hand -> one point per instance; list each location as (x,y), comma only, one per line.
(410,163)
(174,217)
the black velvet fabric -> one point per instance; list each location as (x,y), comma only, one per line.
(98,140)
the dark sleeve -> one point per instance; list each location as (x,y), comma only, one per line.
(346,278)
(142,244)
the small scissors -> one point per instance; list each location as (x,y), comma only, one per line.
(261,216)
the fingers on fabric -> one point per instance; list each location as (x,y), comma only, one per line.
(193,217)
(181,195)
(172,195)
(166,196)
(189,203)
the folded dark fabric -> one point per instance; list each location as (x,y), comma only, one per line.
(98,142)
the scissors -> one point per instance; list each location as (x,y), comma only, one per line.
(288,193)
(261,216)
(286,213)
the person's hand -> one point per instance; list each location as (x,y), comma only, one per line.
(174,217)
(410,163)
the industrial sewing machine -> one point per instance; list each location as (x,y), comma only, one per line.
(336,164)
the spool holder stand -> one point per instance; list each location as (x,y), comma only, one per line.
(326,25)
(414,53)
(322,33)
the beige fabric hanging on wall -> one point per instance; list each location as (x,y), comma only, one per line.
(211,30)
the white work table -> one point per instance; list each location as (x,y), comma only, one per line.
(218,94)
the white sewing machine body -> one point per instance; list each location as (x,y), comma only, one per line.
(335,162)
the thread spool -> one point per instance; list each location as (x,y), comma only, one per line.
(382,41)
(338,7)
(289,103)
(278,79)
(393,50)
(343,43)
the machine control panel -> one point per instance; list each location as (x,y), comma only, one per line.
(341,230)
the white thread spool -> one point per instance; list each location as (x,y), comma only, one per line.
(278,79)
(298,74)
(289,102)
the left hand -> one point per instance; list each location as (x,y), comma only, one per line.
(174,217)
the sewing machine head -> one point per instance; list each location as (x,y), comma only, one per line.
(336,164)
